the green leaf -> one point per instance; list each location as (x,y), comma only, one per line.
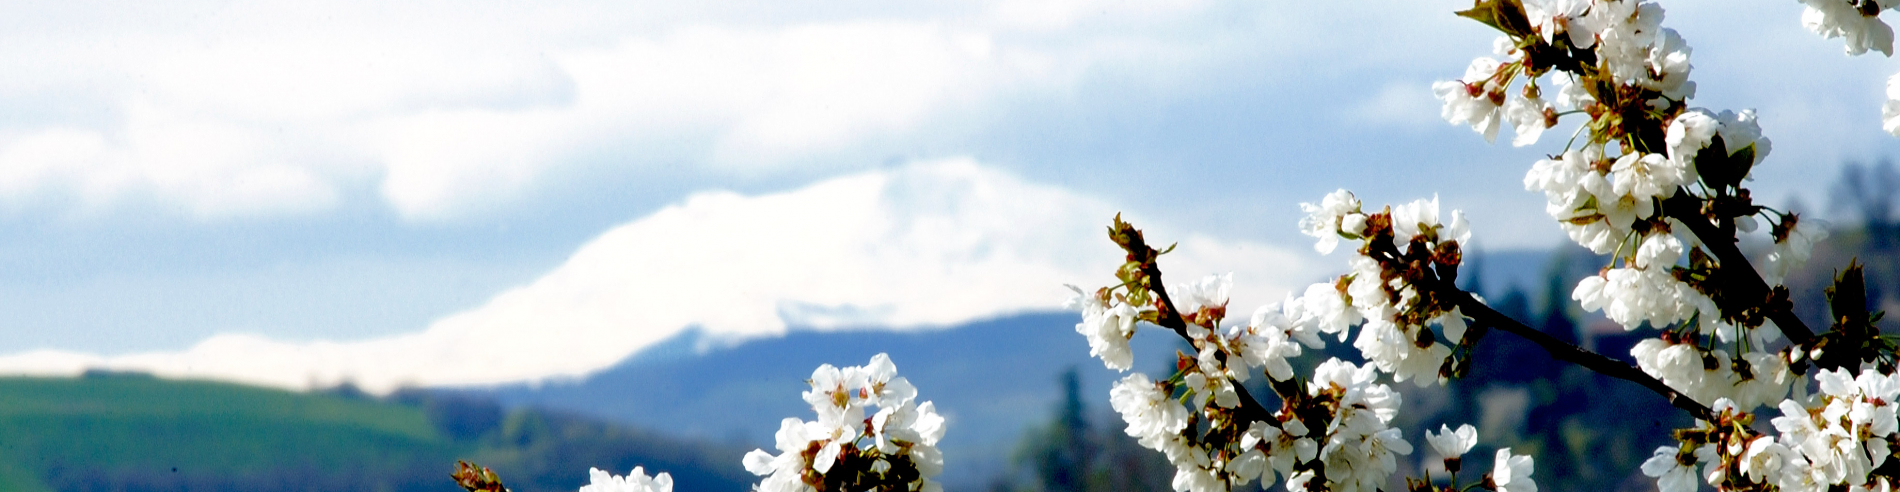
(1742,160)
(1506,16)
(1713,164)
(1481,13)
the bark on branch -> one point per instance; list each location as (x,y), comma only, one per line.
(1250,409)
(1566,352)
(1736,271)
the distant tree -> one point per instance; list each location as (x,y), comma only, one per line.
(1555,319)
(1868,191)
(1473,280)
(1064,463)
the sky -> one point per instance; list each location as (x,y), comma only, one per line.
(305,192)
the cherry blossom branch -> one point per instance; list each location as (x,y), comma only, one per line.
(1168,317)
(1440,281)
(1737,271)
(1567,352)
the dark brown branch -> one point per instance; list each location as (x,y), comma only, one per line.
(1566,352)
(1736,271)
(1250,410)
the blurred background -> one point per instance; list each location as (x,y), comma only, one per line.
(339,245)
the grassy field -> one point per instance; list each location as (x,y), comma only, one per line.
(95,432)
(137,433)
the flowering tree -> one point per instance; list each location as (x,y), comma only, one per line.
(1655,185)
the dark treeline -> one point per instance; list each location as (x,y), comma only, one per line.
(1079,449)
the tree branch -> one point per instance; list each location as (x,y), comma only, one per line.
(1250,410)
(1566,352)
(1736,271)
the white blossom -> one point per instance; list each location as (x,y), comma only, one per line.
(1212,379)
(1695,130)
(1631,296)
(1210,292)
(1659,250)
(1198,479)
(1668,68)
(1513,473)
(1689,133)
(1559,178)
(1840,19)
(1106,328)
(635,481)
(1625,29)
(1764,460)
(1421,216)
(1289,446)
(1792,249)
(1527,118)
(1298,481)
(1329,311)
(1453,324)
(1475,99)
(1323,220)
(783,472)
(1571,94)
(1670,473)
(1152,416)
(1644,176)
(1452,444)
(883,387)
(1275,334)
(1361,461)
(1551,17)
(1768,384)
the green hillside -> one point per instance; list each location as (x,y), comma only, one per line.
(133,433)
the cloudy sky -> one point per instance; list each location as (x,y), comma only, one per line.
(316,186)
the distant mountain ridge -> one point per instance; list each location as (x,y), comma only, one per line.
(991,379)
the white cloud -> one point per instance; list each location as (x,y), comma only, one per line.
(452,113)
(219,110)
(926,245)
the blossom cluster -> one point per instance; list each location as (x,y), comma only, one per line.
(635,481)
(1654,180)
(1333,429)
(894,449)
(1645,179)
(1353,451)
(1755,379)
(1356,449)
(1394,291)
(1838,439)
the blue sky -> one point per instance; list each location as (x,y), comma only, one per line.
(305,172)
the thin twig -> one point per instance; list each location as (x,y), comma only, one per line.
(1566,352)
(1250,410)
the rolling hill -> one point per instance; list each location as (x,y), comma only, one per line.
(122,432)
